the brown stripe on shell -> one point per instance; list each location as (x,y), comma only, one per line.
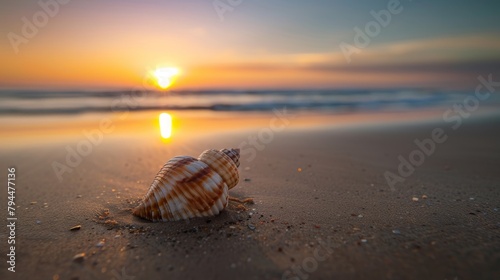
(150,208)
(223,165)
(192,190)
(202,199)
(172,211)
(200,194)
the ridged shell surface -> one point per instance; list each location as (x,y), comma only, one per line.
(187,187)
(224,164)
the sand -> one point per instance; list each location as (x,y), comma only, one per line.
(323,209)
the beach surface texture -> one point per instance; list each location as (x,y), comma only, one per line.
(329,200)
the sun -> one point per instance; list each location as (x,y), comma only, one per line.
(165,77)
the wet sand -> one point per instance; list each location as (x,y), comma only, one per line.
(323,208)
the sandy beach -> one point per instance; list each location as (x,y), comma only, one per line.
(322,206)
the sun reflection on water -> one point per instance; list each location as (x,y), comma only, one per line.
(165,125)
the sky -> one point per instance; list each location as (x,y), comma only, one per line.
(248,44)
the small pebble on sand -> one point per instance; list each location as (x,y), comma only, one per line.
(415,199)
(424,196)
(79,257)
(100,243)
(77,227)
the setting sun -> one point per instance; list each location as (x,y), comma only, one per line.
(165,77)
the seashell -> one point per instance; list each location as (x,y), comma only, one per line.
(186,187)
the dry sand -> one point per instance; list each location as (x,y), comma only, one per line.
(323,209)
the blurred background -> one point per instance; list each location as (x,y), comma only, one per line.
(67,60)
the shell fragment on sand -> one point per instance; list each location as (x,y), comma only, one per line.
(79,257)
(77,227)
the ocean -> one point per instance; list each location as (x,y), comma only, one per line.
(17,102)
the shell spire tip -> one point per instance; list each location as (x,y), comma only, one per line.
(234,154)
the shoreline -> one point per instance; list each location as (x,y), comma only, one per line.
(28,131)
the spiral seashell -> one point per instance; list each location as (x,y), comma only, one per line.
(186,187)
